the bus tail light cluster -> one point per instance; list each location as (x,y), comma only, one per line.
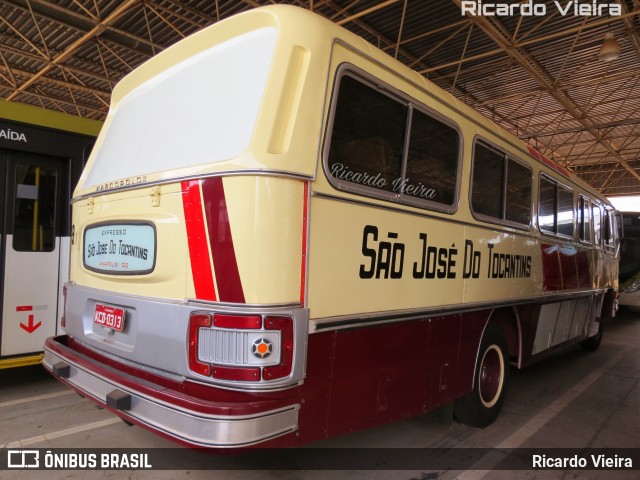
(240,348)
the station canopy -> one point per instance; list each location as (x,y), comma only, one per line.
(542,69)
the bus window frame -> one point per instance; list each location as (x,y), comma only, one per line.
(581,223)
(558,184)
(600,206)
(370,80)
(609,237)
(506,157)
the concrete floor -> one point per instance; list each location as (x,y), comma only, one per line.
(573,400)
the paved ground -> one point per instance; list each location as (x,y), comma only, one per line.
(573,400)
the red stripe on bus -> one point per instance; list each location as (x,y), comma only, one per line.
(551,273)
(548,162)
(568,267)
(197,240)
(222,251)
(303,268)
(564,268)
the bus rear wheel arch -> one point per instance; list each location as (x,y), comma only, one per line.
(481,406)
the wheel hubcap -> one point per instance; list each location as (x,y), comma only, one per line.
(491,376)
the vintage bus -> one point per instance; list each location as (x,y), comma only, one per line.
(42,154)
(630,260)
(283,234)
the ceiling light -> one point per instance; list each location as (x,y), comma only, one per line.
(610,49)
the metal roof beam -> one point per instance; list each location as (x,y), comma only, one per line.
(69,51)
(499,34)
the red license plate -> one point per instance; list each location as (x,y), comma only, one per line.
(109,317)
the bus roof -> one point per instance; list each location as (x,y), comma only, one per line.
(298,27)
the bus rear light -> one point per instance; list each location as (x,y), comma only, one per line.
(241,348)
(236,373)
(251,322)
(285,326)
(196,322)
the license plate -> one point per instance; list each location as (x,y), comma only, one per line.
(109,317)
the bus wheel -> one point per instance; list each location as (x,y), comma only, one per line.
(482,406)
(591,344)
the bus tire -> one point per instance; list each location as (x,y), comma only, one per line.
(591,344)
(481,407)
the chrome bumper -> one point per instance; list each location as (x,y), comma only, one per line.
(186,426)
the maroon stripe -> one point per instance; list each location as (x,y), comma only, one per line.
(551,274)
(568,267)
(224,255)
(584,269)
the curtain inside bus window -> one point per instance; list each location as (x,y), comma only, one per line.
(488,179)
(432,162)
(34,211)
(367,137)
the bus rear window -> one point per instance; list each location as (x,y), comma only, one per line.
(201,110)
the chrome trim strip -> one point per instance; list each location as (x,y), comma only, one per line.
(190,302)
(395,316)
(242,306)
(195,428)
(225,173)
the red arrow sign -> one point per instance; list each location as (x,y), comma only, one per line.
(30,327)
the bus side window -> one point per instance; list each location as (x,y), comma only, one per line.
(367,136)
(566,211)
(518,193)
(35,209)
(597,221)
(432,160)
(547,206)
(501,186)
(556,213)
(584,220)
(488,178)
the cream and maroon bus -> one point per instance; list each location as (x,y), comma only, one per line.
(283,234)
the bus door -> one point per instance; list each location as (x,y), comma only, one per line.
(34,187)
